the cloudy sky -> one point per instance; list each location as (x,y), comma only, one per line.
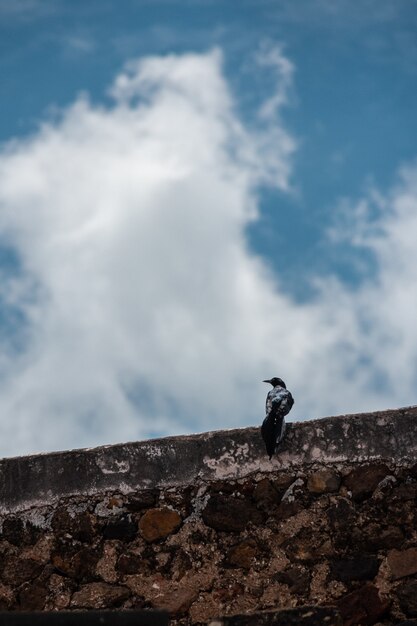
(194,198)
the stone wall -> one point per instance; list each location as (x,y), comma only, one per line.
(206,526)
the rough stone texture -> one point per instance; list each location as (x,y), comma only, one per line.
(324,481)
(159,523)
(229,513)
(402,562)
(206,526)
(363,606)
(242,554)
(407,593)
(99,596)
(360,567)
(363,481)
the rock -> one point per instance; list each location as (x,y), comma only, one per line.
(13,530)
(176,602)
(243,554)
(265,494)
(69,560)
(32,596)
(356,568)
(230,514)
(324,481)
(80,526)
(404,493)
(181,563)
(362,481)
(157,524)
(407,594)
(390,537)
(402,562)
(225,591)
(287,509)
(123,528)
(130,564)
(18,570)
(106,566)
(295,491)
(99,596)
(297,579)
(341,515)
(60,591)
(142,500)
(6,598)
(282,481)
(363,606)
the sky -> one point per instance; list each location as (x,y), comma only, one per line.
(194,198)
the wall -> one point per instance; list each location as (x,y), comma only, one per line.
(206,525)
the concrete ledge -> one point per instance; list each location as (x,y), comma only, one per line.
(40,479)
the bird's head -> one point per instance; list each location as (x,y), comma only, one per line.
(275,382)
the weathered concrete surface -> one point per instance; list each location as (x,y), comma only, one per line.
(40,479)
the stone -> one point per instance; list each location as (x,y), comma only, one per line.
(242,554)
(230,514)
(282,481)
(361,567)
(157,524)
(130,564)
(407,595)
(404,493)
(324,481)
(61,589)
(106,566)
(227,591)
(32,596)
(402,562)
(80,526)
(390,537)
(13,530)
(79,564)
(265,494)
(363,606)
(123,528)
(99,596)
(141,500)
(362,481)
(7,598)
(297,579)
(18,570)
(176,602)
(181,563)
(287,509)
(341,515)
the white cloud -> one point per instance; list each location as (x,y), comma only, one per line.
(145,311)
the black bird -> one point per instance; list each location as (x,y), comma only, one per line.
(279,402)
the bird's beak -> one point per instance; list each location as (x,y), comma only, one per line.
(266,381)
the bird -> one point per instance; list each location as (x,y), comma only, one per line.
(279,402)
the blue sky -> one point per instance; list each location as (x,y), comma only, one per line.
(209,196)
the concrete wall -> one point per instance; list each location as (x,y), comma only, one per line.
(206,526)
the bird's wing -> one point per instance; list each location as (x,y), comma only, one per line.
(279,400)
